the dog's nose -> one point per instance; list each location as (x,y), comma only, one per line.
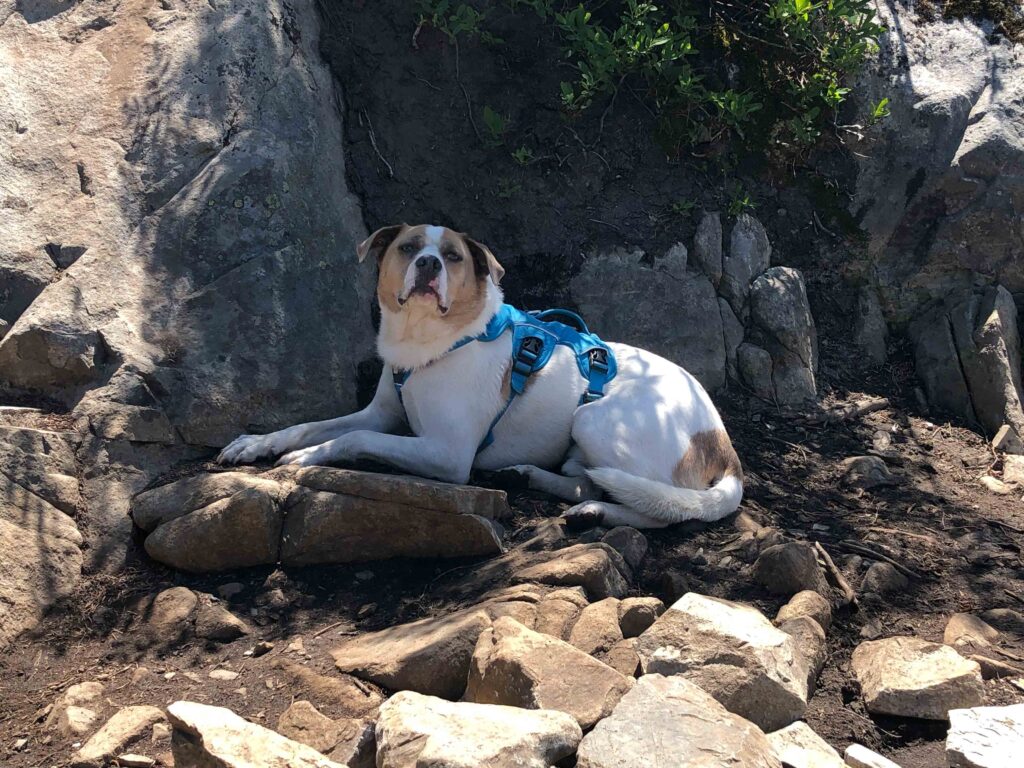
(430,264)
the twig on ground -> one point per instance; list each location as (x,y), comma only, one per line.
(328,628)
(839,413)
(608,224)
(465,93)
(837,577)
(1014,595)
(373,143)
(860,549)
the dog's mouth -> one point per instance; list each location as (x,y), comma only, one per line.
(425,290)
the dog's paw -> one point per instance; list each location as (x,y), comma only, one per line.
(586,515)
(514,478)
(304,457)
(247,448)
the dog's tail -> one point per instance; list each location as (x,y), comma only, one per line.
(670,503)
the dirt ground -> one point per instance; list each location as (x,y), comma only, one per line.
(964,542)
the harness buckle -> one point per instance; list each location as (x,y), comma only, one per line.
(599,359)
(527,355)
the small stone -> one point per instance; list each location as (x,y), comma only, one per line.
(364,575)
(1007,440)
(909,677)
(416,730)
(135,761)
(214,622)
(366,610)
(262,648)
(674,585)
(858,756)
(883,578)
(629,543)
(806,603)
(636,614)
(230,590)
(797,746)
(591,566)
(985,737)
(74,713)
(963,629)
(20,745)
(786,569)
(996,486)
(223,675)
(170,611)
(866,472)
(296,646)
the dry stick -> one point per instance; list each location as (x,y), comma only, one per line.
(373,143)
(837,576)
(465,93)
(328,628)
(1014,595)
(859,549)
(846,412)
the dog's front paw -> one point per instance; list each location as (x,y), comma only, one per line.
(585,515)
(305,457)
(514,478)
(247,448)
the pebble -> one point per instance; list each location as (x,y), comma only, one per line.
(223,674)
(262,648)
(135,761)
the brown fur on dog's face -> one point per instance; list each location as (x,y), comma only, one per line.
(452,281)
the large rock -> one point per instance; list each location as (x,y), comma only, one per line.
(124,728)
(164,503)
(671,721)
(797,746)
(75,713)
(786,569)
(781,315)
(687,332)
(42,546)
(985,737)
(911,677)
(597,568)
(415,730)
(200,188)
(707,246)
(749,255)
(215,737)
(515,666)
(734,653)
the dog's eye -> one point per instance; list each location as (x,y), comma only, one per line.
(406,248)
(453,256)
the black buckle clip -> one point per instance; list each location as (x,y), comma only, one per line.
(599,359)
(527,355)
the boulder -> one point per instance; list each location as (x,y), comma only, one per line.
(75,713)
(985,737)
(347,740)
(963,629)
(755,370)
(785,569)
(556,617)
(686,332)
(732,652)
(597,628)
(160,505)
(748,256)
(806,603)
(781,313)
(883,578)
(636,614)
(910,677)
(797,746)
(680,724)
(598,568)
(429,656)
(215,737)
(126,727)
(515,666)
(707,246)
(415,730)
(629,543)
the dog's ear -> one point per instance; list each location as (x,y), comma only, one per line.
(378,242)
(484,260)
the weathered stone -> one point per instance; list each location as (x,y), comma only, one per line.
(734,653)
(556,617)
(680,724)
(686,332)
(797,746)
(882,578)
(430,656)
(755,369)
(707,246)
(597,628)
(749,255)
(786,569)
(910,677)
(622,657)
(340,696)
(636,614)
(859,756)
(810,641)
(780,310)
(415,730)
(130,760)
(74,713)
(1007,440)
(806,603)
(214,622)
(870,329)
(124,728)
(215,737)
(595,567)
(963,629)
(733,333)
(629,543)
(167,502)
(866,472)
(1006,619)
(985,737)
(328,527)
(302,722)
(240,531)
(170,611)
(515,666)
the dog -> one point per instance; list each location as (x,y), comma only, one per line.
(654,442)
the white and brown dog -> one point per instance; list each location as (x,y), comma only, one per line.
(654,442)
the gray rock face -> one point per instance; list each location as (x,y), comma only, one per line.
(732,652)
(674,719)
(415,730)
(677,318)
(707,246)
(870,329)
(227,226)
(780,311)
(985,737)
(749,255)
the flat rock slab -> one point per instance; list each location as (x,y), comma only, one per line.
(911,677)
(415,731)
(515,666)
(797,746)
(672,722)
(734,653)
(215,737)
(225,520)
(985,737)
(124,728)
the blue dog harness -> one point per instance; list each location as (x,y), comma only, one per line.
(534,338)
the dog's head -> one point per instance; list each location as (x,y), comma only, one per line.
(431,269)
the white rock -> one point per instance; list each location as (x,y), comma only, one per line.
(985,737)
(414,730)
(732,652)
(797,746)
(215,736)
(127,726)
(223,674)
(910,677)
(857,756)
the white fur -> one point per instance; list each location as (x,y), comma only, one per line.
(627,443)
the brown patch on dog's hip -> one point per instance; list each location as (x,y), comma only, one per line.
(709,458)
